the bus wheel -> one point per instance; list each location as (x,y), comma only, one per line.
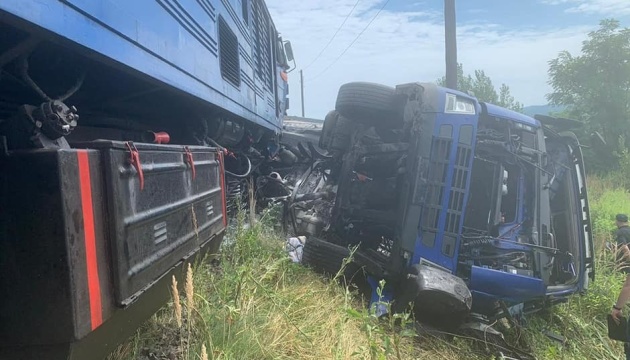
(367,103)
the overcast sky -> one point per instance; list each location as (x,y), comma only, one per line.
(512,40)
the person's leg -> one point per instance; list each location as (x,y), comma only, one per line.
(626,348)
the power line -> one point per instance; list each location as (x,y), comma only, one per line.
(352,43)
(333,37)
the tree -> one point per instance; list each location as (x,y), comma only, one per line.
(506,99)
(482,88)
(595,85)
(464,83)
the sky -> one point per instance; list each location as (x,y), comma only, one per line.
(511,40)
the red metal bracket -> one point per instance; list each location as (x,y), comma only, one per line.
(227,152)
(188,158)
(162,138)
(134,160)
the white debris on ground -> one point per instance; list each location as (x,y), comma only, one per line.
(294,247)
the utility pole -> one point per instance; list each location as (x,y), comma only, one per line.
(450,31)
(302,90)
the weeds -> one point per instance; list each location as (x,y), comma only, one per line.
(582,320)
(177,307)
(262,306)
(259,305)
(386,339)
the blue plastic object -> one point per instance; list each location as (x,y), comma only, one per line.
(506,286)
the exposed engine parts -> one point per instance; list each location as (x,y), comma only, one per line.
(40,127)
(56,119)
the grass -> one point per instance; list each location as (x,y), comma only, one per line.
(583,319)
(259,305)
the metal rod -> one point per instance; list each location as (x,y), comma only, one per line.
(302,90)
(18,50)
(450,31)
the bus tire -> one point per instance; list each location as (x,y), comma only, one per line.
(327,258)
(367,103)
(330,122)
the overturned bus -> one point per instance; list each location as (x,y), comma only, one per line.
(463,208)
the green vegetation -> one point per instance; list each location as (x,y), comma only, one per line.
(482,88)
(259,305)
(594,86)
(542,110)
(583,319)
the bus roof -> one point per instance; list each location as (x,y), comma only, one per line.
(494,110)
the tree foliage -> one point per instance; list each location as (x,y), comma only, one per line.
(595,85)
(481,86)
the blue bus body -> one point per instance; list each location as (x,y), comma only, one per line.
(457,204)
(447,207)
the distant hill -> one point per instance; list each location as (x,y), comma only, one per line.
(542,109)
